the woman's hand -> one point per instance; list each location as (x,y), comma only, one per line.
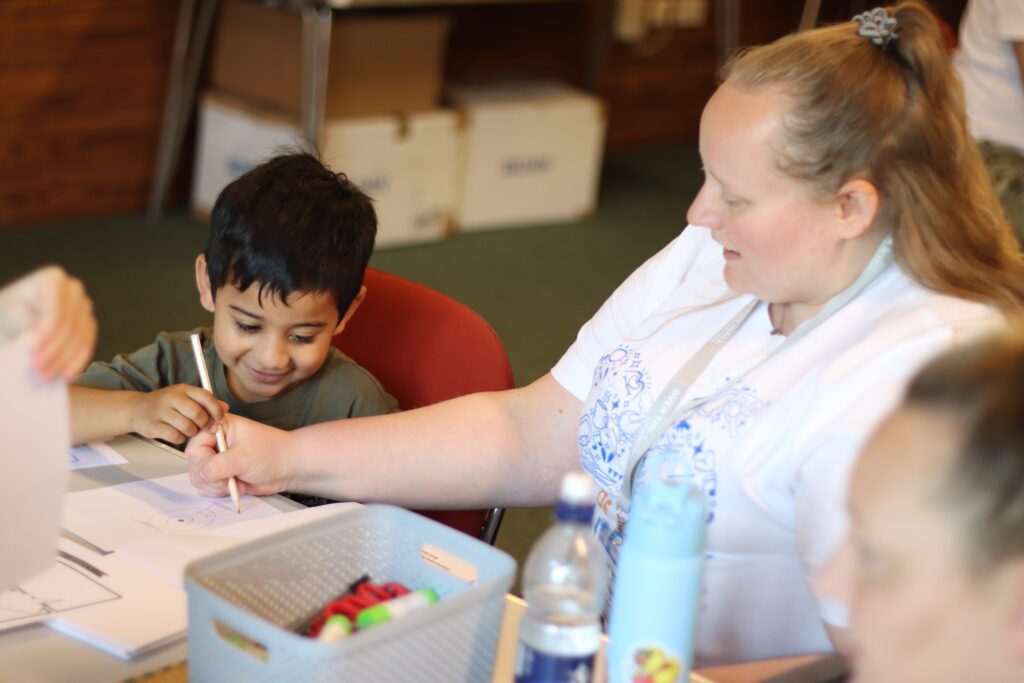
(53,307)
(261,471)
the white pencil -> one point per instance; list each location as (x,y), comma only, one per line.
(222,444)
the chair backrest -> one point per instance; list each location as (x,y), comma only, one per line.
(425,347)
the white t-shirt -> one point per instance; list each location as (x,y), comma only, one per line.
(990,72)
(774,451)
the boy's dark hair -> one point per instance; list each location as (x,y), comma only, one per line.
(291,224)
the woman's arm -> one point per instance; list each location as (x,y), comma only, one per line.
(505,448)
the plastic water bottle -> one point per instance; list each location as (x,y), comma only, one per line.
(564,583)
(657,584)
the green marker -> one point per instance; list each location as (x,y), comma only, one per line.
(396,607)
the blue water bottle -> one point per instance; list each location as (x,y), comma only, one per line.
(657,587)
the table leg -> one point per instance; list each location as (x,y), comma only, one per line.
(316,51)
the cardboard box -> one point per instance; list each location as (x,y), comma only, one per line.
(377,65)
(407,164)
(532,154)
(231,138)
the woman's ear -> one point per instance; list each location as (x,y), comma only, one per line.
(203,284)
(352,308)
(857,202)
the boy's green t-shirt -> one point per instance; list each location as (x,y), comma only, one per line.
(339,389)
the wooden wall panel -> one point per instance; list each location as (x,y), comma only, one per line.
(81,95)
(82,84)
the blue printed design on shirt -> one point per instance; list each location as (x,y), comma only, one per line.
(620,400)
(733,408)
(608,427)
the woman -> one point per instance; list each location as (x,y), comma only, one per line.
(934,564)
(782,302)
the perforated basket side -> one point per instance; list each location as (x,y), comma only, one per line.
(263,589)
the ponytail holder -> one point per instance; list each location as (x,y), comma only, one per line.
(877,26)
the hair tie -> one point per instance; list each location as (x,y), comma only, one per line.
(877,26)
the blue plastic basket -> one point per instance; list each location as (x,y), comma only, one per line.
(245,603)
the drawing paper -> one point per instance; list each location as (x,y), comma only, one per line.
(167,556)
(93,455)
(112,516)
(105,601)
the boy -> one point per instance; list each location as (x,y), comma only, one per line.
(282,274)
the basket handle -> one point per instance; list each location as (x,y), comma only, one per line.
(237,639)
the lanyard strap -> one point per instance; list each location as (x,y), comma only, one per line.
(664,409)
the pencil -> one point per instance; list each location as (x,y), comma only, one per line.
(222,444)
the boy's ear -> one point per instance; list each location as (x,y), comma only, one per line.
(203,284)
(352,308)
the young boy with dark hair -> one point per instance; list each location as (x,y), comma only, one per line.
(282,274)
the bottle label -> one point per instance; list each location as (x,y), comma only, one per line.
(534,666)
(653,664)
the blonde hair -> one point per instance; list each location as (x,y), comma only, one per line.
(894,115)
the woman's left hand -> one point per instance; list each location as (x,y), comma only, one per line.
(54,308)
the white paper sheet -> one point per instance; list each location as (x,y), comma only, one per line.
(167,556)
(93,455)
(105,601)
(113,516)
(34,440)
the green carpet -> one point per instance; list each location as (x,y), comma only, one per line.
(535,285)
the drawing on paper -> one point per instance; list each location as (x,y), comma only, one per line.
(112,516)
(191,518)
(64,587)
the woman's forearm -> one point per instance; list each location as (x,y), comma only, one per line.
(501,448)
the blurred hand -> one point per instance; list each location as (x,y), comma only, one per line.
(176,413)
(256,457)
(53,307)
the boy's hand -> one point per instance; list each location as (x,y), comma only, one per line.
(259,475)
(176,413)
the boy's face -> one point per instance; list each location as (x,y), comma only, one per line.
(268,347)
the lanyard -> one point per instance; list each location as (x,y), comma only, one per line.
(665,406)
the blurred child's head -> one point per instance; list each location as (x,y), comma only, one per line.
(283,271)
(933,568)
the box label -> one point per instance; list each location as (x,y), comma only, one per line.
(448,563)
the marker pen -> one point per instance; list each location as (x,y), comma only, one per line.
(335,628)
(396,607)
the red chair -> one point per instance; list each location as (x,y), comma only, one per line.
(425,347)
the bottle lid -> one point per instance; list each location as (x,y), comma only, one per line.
(577,488)
(575,498)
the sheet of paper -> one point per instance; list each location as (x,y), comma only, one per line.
(93,455)
(149,615)
(34,440)
(105,601)
(113,516)
(167,556)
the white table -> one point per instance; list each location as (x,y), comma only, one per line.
(37,654)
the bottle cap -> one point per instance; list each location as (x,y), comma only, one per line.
(667,519)
(577,488)
(576,498)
